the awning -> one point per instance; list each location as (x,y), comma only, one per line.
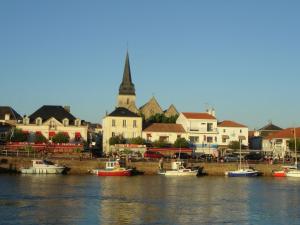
(77,134)
(242,138)
(225,136)
(51,133)
(66,133)
(38,132)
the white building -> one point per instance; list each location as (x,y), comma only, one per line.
(201,129)
(229,131)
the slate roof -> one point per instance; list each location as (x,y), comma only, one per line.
(48,111)
(9,110)
(270,127)
(165,127)
(123,112)
(127,87)
(229,123)
(190,115)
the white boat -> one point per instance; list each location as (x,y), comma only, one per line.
(295,172)
(242,171)
(178,170)
(43,167)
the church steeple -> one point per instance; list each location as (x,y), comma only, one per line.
(127,87)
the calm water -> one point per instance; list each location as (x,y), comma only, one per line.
(44,199)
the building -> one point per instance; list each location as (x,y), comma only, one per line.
(52,119)
(124,120)
(166,132)
(171,111)
(201,129)
(8,120)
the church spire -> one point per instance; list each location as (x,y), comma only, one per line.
(127,87)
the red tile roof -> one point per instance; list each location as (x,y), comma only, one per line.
(229,123)
(165,127)
(190,115)
(286,133)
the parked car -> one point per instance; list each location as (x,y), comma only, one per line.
(254,156)
(231,158)
(153,155)
(182,155)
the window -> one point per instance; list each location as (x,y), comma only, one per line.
(52,124)
(241,131)
(38,121)
(124,123)
(77,122)
(224,130)
(7,116)
(164,138)
(113,123)
(134,123)
(209,139)
(216,139)
(66,122)
(149,137)
(194,139)
(178,136)
(127,101)
(224,140)
(209,127)
(113,134)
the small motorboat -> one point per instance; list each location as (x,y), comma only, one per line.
(178,170)
(242,172)
(43,167)
(113,168)
(284,171)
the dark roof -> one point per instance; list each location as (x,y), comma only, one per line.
(56,111)
(123,112)
(270,127)
(127,87)
(9,110)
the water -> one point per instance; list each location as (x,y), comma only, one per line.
(44,199)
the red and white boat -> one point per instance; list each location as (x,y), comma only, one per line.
(113,168)
(284,171)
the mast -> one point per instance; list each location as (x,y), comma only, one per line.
(240,167)
(295,146)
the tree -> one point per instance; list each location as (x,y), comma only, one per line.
(234,145)
(161,144)
(40,138)
(291,144)
(181,143)
(117,140)
(161,118)
(61,137)
(137,141)
(19,136)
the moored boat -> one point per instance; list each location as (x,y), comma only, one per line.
(243,172)
(113,168)
(178,170)
(43,167)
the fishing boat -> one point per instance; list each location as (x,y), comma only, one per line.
(178,170)
(43,167)
(283,172)
(242,171)
(295,172)
(113,168)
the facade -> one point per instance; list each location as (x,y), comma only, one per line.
(121,122)
(50,120)
(151,108)
(229,131)
(166,132)
(201,129)
(8,120)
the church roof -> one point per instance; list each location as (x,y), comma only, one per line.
(270,127)
(171,111)
(127,87)
(123,112)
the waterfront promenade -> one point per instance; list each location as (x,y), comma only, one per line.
(84,166)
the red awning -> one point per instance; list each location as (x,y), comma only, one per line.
(38,132)
(77,134)
(66,133)
(51,133)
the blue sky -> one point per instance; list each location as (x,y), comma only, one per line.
(241,57)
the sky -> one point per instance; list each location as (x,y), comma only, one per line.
(240,57)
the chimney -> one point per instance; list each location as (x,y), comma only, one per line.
(213,112)
(67,108)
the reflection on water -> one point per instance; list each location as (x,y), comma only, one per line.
(44,199)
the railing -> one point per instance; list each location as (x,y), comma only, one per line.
(20,153)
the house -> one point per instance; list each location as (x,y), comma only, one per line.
(201,130)
(52,119)
(279,141)
(8,120)
(229,131)
(166,132)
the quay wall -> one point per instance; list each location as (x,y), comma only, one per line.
(76,166)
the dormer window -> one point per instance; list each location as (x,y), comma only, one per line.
(26,120)
(77,122)
(66,122)
(7,116)
(38,121)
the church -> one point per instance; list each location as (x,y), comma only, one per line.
(127,120)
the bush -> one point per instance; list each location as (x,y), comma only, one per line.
(39,138)
(181,143)
(137,141)
(161,144)
(61,138)
(19,136)
(117,140)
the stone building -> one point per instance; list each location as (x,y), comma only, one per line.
(151,108)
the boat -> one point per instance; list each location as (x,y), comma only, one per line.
(43,167)
(294,172)
(113,168)
(283,171)
(242,171)
(178,170)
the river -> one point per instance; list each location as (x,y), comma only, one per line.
(61,199)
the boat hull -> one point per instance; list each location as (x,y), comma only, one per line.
(121,173)
(279,174)
(242,173)
(56,170)
(293,173)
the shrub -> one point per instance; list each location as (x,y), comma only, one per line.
(61,137)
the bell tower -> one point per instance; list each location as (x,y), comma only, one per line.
(126,97)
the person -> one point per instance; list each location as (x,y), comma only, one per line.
(161,163)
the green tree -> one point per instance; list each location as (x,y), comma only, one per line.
(19,136)
(117,140)
(234,145)
(40,138)
(61,137)
(161,144)
(291,144)
(181,143)
(161,118)
(137,141)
